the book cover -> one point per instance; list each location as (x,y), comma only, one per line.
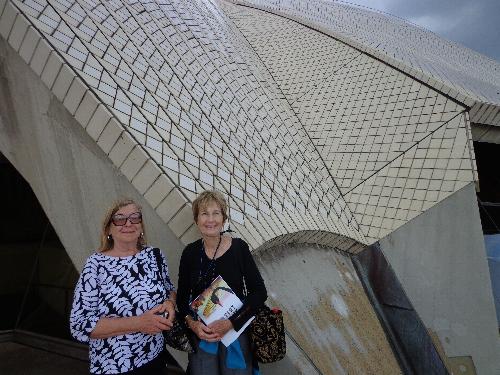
(216,302)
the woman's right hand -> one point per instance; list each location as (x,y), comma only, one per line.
(152,321)
(202,331)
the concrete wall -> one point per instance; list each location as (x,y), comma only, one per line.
(326,311)
(73,179)
(440,260)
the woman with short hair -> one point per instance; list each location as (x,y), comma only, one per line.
(217,254)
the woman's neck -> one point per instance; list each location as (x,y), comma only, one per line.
(211,243)
(124,248)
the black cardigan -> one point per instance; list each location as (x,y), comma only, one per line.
(237,262)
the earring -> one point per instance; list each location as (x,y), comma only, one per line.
(141,235)
(109,237)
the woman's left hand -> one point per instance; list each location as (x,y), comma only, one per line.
(221,327)
(169,307)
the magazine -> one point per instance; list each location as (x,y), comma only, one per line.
(216,302)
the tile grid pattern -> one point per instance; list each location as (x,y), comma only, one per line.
(172,82)
(121,75)
(471,78)
(360,113)
(427,173)
(368,121)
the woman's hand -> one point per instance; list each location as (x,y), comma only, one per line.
(152,321)
(168,307)
(221,326)
(202,331)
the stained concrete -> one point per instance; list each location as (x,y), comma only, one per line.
(445,275)
(326,311)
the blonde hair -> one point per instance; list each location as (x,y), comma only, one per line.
(207,197)
(106,241)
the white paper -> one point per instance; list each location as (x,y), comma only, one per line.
(217,302)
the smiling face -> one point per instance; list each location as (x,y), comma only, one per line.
(129,232)
(210,220)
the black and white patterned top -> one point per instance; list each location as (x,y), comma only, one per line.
(119,287)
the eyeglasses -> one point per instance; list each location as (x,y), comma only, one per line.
(121,220)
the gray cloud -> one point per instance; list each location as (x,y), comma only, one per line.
(471,23)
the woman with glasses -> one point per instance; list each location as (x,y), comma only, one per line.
(202,261)
(123,300)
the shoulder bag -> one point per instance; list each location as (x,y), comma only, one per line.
(267,331)
(179,336)
(267,334)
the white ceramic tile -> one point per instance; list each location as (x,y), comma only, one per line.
(7,20)
(74,95)
(146,176)
(134,162)
(86,108)
(29,44)
(18,32)
(51,69)
(40,57)
(170,205)
(110,135)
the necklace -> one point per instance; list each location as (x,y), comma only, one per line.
(211,265)
(216,249)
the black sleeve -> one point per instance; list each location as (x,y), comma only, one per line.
(256,290)
(184,284)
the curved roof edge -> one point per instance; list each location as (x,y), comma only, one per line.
(484,109)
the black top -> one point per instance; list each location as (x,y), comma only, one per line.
(234,265)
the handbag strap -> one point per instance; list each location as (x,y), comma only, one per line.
(159,261)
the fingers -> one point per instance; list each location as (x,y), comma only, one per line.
(221,327)
(204,332)
(153,322)
(156,309)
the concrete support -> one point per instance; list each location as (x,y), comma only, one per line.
(445,275)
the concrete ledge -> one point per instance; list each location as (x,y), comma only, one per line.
(51,344)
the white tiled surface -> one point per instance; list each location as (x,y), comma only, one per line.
(364,117)
(166,92)
(425,174)
(447,66)
(302,131)
(359,112)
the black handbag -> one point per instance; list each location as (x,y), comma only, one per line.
(179,336)
(267,334)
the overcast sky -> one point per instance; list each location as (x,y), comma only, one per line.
(473,23)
